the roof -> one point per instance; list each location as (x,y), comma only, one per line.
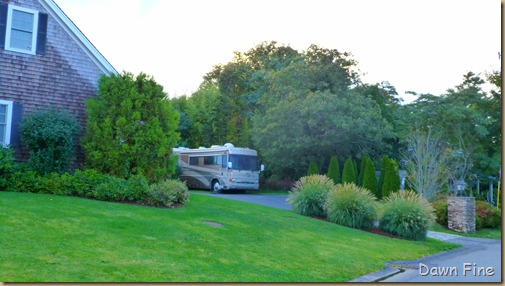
(54,10)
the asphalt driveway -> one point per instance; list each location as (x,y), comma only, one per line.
(274,201)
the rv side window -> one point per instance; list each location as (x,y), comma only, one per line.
(208,160)
(193,161)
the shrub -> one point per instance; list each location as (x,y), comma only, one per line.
(334,170)
(486,216)
(167,193)
(369,178)
(349,172)
(131,128)
(49,136)
(112,189)
(308,195)
(391,181)
(313,169)
(351,206)
(82,183)
(440,207)
(407,214)
(139,187)
(8,167)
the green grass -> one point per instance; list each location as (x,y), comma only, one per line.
(47,238)
(493,233)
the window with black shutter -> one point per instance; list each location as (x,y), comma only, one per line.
(23,30)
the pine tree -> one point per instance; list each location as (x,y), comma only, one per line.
(370,179)
(334,170)
(391,179)
(313,169)
(384,164)
(349,174)
(362,170)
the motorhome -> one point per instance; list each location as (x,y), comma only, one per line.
(219,167)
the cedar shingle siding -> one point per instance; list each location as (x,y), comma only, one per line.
(63,76)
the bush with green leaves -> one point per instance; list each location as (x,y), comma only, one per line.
(406,214)
(131,128)
(351,206)
(308,195)
(49,137)
(486,216)
(440,207)
(8,167)
(167,193)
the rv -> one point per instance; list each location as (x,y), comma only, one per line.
(219,167)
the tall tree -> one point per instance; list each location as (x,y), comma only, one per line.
(318,126)
(131,128)
(426,170)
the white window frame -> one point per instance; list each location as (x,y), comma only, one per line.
(8,121)
(34,30)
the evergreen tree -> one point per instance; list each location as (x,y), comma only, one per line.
(334,170)
(391,179)
(369,178)
(131,128)
(362,170)
(313,169)
(355,169)
(349,172)
(384,164)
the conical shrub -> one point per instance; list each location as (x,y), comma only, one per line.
(334,170)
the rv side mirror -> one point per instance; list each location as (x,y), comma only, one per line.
(262,168)
(230,165)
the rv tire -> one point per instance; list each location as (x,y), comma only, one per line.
(215,187)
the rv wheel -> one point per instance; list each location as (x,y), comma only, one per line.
(215,187)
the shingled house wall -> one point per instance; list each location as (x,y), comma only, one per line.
(63,77)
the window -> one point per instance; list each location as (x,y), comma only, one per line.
(5,122)
(194,161)
(244,162)
(22,29)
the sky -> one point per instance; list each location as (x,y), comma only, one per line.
(422,46)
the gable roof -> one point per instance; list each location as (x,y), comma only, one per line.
(54,10)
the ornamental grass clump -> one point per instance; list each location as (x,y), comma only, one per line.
(308,195)
(351,206)
(407,214)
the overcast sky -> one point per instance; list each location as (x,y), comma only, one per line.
(421,46)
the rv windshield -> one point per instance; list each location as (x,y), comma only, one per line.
(244,162)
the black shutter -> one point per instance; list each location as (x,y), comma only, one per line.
(17,115)
(42,34)
(3,24)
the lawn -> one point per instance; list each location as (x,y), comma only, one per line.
(493,233)
(47,238)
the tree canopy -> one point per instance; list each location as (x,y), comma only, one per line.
(297,107)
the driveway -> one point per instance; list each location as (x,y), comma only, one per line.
(274,201)
(478,261)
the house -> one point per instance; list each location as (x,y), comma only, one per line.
(45,60)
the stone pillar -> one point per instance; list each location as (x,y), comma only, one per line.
(461,214)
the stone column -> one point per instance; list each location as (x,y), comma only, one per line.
(461,214)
